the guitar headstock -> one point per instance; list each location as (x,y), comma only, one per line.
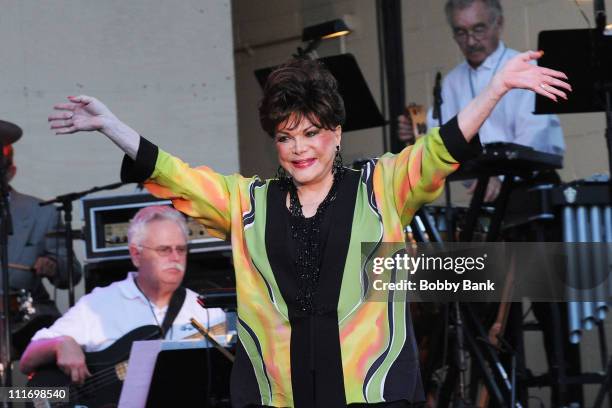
(417,115)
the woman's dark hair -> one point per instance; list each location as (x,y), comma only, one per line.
(305,88)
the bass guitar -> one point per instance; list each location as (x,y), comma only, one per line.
(108,368)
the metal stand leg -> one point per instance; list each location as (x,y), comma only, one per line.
(606,385)
(472,216)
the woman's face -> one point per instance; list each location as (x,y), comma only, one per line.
(306,151)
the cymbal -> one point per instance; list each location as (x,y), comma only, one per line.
(9,133)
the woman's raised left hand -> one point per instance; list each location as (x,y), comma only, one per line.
(519,72)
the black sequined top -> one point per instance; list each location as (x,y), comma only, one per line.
(308,243)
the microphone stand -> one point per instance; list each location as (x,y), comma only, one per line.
(6,229)
(450,228)
(65,202)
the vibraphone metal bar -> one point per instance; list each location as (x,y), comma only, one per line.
(587,218)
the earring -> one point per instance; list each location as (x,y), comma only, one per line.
(281,173)
(338,167)
(283,178)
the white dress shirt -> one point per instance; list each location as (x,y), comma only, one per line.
(512,120)
(106,314)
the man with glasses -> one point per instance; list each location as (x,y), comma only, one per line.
(157,238)
(477,26)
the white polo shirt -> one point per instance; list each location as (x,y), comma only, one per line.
(106,314)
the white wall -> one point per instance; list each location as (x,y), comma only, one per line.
(166,68)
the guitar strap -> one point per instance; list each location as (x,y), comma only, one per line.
(174,307)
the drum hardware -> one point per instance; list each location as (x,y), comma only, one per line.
(462,331)
(468,329)
(439,219)
(76,234)
(22,267)
(21,306)
(26,305)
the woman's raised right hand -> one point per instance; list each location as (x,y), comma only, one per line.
(82,113)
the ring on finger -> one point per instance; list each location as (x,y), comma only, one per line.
(543,86)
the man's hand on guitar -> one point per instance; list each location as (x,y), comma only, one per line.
(71,360)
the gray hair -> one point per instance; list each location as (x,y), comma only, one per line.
(494,7)
(138,225)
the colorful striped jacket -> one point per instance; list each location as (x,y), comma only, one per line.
(353,349)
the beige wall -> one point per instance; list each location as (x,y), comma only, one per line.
(259,23)
(429,48)
(272,29)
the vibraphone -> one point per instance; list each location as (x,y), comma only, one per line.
(586,211)
(586,214)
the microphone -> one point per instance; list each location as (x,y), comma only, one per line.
(437,94)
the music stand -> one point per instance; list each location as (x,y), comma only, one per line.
(190,377)
(575,53)
(585,55)
(361,109)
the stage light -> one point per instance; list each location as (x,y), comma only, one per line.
(326,30)
(315,33)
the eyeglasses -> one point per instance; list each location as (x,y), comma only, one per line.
(166,250)
(478,32)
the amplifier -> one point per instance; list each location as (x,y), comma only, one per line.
(107,220)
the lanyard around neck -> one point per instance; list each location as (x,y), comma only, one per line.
(494,71)
(151,308)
